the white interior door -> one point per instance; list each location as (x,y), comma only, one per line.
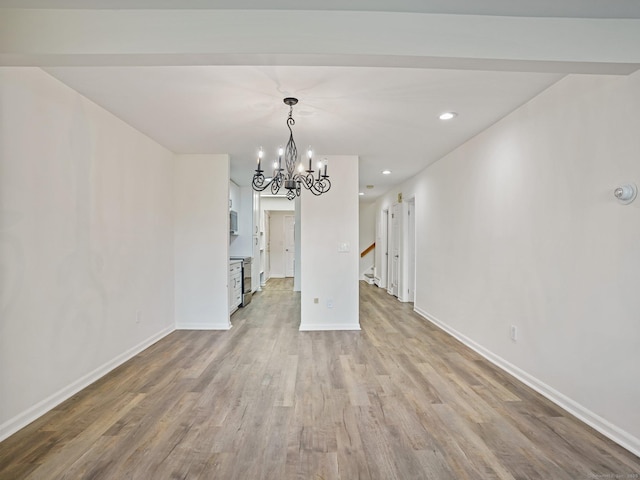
(384,248)
(289,245)
(395,250)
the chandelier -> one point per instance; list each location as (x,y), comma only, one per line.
(293,176)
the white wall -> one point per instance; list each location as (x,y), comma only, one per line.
(201,240)
(367,236)
(519,226)
(277,203)
(234,196)
(86,243)
(327,274)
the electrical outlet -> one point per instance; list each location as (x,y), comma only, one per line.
(514,333)
(330,303)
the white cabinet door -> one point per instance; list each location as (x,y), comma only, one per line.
(235,286)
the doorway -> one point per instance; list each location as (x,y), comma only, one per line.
(281,243)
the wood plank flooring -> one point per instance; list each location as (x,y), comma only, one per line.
(398,400)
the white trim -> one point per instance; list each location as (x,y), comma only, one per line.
(613,432)
(326,327)
(202,326)
(26,417)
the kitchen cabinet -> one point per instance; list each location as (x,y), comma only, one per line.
(235,285)
(247,242)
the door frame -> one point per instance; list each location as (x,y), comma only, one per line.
(384,247)
(395,250)
(286,252)
(410,252)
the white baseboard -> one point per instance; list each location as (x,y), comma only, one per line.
(202,326)
(25,418)
(615,433)
(327,327)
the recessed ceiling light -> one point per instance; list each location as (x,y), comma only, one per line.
(448,115)
(361,193)
(386,172)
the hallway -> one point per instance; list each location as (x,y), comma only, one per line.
(400,399)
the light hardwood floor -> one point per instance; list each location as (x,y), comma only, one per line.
(398,400)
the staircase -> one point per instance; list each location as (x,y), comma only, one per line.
(368,276)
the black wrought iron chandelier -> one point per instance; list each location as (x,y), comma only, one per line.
(290,177)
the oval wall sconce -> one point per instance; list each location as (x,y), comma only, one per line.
(626,193)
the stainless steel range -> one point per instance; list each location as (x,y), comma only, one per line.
(246,279)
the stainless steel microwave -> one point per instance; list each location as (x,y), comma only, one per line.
(233,222)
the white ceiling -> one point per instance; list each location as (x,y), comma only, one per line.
(389,117)
(362,103)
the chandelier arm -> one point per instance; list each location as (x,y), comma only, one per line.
(323,185)
(318,186)
(276,183)
(259,182)
(307,180)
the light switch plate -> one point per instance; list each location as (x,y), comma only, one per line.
(343,247)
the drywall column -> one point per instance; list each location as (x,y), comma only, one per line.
(297,271)
(329,244)
(202,242)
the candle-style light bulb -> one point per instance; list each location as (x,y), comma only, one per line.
(300,167)
(280,152)
(319,169)
(310,155)
(325,167)
(260,153)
